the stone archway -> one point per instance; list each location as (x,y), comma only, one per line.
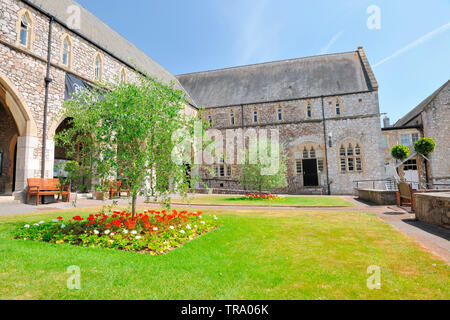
(24,131)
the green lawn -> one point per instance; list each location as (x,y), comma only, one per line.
(283,201)
(254,255)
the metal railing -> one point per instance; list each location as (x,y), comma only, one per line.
(391,184)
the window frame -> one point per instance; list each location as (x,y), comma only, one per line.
(123,75)
(350,156)
(66,38)
(25,13)
(98,57)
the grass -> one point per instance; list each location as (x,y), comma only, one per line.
(254,255)
(282,202)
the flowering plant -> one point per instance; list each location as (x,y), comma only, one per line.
(154,232)
(261,197)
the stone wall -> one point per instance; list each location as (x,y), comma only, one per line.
(433,208)
(359,124)
(25,69)
(380,197)
(436,120)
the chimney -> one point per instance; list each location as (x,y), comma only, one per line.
(386,122)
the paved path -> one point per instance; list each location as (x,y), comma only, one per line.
(432,238)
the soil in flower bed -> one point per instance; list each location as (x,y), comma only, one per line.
(152,232)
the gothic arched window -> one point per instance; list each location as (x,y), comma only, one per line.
(350,158)
(98,67)
(25,29)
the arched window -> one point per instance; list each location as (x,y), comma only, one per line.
(350,158)
(232,121)
(255,116)
(25,28)
(66,50)
(309,111)
(305,154)
(280,114)
(98,67)
(312,153)
(123,75)
(210,121)
(338,108)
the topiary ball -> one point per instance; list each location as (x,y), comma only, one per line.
(400,152)
(425,146)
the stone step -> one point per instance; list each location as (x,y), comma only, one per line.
(8,200)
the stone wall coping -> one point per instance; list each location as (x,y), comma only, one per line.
(445,196)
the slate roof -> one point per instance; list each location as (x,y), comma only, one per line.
(332,74)
(418,110)
(100,33)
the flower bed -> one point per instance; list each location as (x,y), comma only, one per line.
(152,232)
(261,197)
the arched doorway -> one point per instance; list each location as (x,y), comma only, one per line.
(18,139)
(8,143)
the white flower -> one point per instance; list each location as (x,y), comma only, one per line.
(138,237)
(63,226)
(155,229)
(112,234)
(134,232)
(188,227)
(107,232)
(171,227)
(27,226)
(42,222)
(196,226)
(55,220)
(36,224)
(203,222)
(215,218)
(182,231)
(96,232)
(125,231)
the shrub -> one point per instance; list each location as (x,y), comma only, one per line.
(150,232)
(400,152)
(425,146)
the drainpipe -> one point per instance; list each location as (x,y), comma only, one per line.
(48,80)
(326,146)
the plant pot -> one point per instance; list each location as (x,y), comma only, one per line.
(99,195)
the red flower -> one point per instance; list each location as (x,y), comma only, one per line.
(60,218)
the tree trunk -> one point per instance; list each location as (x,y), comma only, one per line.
(133,205)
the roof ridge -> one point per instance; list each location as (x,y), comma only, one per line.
(265,63)
(421,106)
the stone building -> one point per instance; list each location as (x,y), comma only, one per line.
(81,51)
(325,109)
(431,119)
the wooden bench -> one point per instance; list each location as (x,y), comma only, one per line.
(116,187)
(406,194)
(46,187)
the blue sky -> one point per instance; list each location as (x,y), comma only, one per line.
(410,52)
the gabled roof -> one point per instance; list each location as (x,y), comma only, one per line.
(418,110)
(100,33)
(327,75)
